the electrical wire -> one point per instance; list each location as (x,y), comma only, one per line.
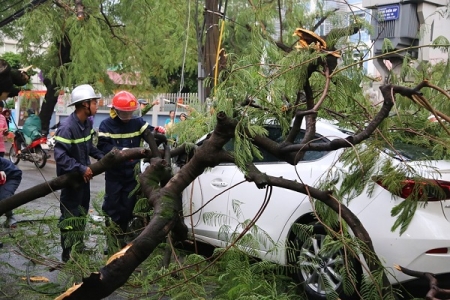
(4,1)
(21,12)
(11,6)
(216,69)
(188,16)
(185,46)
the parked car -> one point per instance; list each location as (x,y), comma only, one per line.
(423,246)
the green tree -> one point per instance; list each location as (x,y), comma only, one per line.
(14,59)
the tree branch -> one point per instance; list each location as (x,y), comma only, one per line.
(388,92)
(79,8)
(167,207)
(434,290)
(71,179)
(254,175)
(323,19)
(110,26)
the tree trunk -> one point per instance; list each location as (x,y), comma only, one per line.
(51,96)
(167,211)
(72,179)
(211,41)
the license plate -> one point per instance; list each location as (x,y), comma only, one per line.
(45,146)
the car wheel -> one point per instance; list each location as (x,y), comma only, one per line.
(319,268)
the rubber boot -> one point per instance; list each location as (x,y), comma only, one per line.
(10,222)
(65,255)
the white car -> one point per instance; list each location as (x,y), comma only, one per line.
(423,246)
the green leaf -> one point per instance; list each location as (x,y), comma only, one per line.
(441,43)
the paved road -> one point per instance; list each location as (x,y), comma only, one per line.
(32,176)
(14,266)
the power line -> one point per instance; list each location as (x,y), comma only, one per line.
(21,12)
(3,2)
(12,5)
(188,17)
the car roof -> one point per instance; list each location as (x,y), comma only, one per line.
(329,130)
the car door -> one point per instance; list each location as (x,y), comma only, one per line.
(246,200)
(205,201)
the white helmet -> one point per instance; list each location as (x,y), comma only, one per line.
(81,93)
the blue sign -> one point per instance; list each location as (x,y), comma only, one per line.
(388,13)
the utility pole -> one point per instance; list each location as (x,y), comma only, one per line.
(211,29)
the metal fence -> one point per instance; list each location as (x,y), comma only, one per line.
(167,101)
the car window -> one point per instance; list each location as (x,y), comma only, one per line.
(406,151)
(274,133)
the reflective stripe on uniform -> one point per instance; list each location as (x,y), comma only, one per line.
(123,135)
(75,141)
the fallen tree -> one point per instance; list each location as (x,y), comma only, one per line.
(316,85)
(166,200)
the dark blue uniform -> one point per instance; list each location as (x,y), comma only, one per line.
(120,180)
(72,150)
(13,179)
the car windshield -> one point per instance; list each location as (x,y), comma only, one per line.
(405,151)
(274,133)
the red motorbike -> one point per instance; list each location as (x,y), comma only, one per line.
(35,152)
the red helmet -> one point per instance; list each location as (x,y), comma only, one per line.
(125,101)
(125,104)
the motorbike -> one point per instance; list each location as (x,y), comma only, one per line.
(35,152)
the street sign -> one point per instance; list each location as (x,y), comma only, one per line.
(388,13)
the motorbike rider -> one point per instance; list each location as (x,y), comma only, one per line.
(123,129)
(31,130)
(72,150)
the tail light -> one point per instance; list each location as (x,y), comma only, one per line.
(426,190)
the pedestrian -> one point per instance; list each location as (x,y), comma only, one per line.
(170,124)
(145,106)
(73,146)
(7,114)
(10,178)
(123,129)
(142,104)
(3,130)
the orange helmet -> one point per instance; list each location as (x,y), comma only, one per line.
(124,101)
(125,105)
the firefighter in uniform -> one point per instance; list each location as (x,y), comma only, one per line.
(123,129)
(72,150)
